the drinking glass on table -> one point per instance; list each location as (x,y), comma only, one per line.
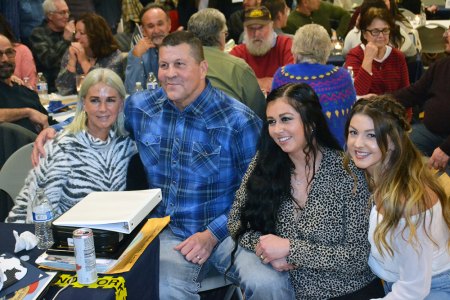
(79,80)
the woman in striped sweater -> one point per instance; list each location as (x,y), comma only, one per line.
(91,154)
(378,67)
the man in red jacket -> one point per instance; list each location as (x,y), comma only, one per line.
(263,49)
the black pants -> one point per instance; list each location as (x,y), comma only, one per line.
(373,290)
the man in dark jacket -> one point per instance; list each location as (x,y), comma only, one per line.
(18,104)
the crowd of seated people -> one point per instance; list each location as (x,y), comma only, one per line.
(271,170)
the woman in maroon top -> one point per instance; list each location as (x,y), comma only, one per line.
(378,68)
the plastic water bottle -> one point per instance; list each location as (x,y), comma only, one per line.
(42,218)
(138,87)
(42,88)
(152,83)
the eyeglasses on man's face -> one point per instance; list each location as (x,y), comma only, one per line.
(61,12)
(376,32)
(10,53)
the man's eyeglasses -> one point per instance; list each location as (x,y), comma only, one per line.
(10,53)
(61,12)
(376,32)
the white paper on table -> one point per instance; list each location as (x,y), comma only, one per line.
(114,211)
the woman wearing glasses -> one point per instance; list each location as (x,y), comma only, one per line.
(405,38)
(378,67)
(94,47)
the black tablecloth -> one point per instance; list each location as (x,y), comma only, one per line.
(141,282)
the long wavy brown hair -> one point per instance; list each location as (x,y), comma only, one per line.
(403,185)
(101,39)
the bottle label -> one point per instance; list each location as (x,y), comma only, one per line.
(42,86)
(42,217)
(152,85)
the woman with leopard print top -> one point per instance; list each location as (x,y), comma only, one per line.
(299,210)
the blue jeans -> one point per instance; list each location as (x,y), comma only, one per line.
(259,281)
(180,279)
(440,287)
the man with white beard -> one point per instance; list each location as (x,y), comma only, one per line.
(263,49)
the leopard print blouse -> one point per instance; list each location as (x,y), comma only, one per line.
(328,238)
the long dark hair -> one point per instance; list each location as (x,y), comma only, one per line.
(270,181)
(101,39)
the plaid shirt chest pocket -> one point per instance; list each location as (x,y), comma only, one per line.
(149,148)
(205,159)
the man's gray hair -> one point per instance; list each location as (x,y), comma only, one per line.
(49,6)
(311,44)
(207,24)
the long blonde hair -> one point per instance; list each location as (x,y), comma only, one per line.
(404,184)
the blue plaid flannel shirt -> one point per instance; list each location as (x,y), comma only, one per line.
(197,156)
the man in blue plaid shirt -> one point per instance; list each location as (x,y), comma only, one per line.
(195,143)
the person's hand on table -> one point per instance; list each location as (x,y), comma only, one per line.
(198,247)
(432,9)
(438,160)
(38,148)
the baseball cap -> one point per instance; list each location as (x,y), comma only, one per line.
(257,15)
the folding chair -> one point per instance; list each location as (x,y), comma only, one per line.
(15,170)
(430,36)
(12,137)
